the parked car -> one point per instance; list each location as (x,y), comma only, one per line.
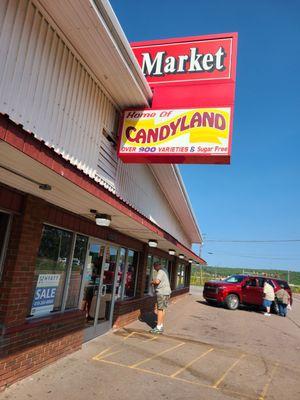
(241,289)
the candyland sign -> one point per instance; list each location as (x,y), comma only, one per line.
(192,135)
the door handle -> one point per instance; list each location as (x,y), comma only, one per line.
(103,290)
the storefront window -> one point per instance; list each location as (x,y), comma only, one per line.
(110,268)
(151,273)
(131,273)
(121,273)
(91,281)
(126,281)
(58,272)
(63,266)
(76,271)
(4,228)
(181,273)
(148,275)
(164,263)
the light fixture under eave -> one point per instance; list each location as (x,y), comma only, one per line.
(152,243)
(103,219)
(172,252)
(181,256)
(190,261)
(45,186)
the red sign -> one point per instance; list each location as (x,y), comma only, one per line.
(190,121)
(188,60)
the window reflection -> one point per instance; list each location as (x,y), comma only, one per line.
(131,273)
(76,271)
(181,275)
(151,273)
(51,265)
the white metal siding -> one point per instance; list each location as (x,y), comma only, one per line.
(136,184)
(45,88)
(107,160)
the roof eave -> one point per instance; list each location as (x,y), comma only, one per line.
(92,31)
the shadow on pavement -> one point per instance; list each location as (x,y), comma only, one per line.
(150,318)
(253,308)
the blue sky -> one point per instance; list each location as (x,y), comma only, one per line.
(257,197)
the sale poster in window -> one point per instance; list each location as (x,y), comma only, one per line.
(44,295)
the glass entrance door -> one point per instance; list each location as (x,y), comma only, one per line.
(98,288)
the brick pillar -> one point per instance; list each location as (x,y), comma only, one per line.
(174,273)
(142,268)
(19,268)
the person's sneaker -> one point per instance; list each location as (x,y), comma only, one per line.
(267,314)
(156,330)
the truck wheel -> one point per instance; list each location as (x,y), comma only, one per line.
(232,301)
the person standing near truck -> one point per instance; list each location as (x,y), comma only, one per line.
(283,299)
(269,297)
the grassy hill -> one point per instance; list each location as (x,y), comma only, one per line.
(205,273)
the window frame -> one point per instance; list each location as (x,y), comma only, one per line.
(157,259)
(69,264)
(123,297)
(3,251)
(181,282)
(68,272)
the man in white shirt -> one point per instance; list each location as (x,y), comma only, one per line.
(163,291)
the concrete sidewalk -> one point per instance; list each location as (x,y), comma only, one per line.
(205,353)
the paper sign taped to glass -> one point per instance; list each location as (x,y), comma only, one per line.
(45,293)
(197,135)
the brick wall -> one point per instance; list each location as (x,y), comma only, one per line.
(28,345)
(29,348)
(19,267)
(129,311)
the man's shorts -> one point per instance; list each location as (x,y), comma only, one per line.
(162,301)
(267,303)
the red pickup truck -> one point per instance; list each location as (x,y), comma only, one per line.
(241,289)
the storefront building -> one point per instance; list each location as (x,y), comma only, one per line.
(66,73)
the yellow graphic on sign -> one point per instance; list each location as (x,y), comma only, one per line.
(159,127)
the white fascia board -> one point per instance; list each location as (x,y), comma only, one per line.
(116,30)
(126,85)
(171,184)
(187,199)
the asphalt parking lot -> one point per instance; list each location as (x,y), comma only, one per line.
(205,353)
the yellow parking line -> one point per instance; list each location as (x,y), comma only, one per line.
(267,385)
(150,339)
(175,379)
(128,336)
(98,356)
(113,363)
(217,383)
(191,363)
(241,395)
(143,334)
(156,355)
